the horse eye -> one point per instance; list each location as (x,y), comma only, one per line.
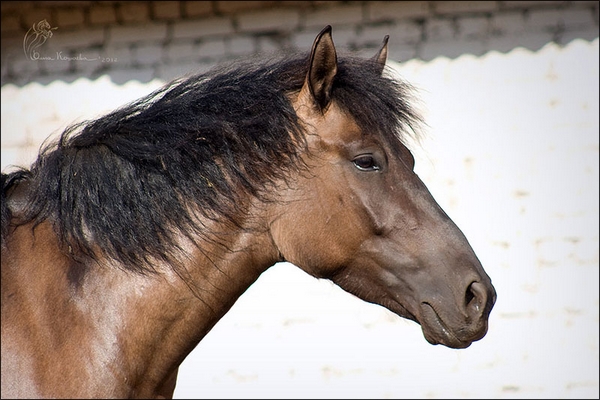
(366,163)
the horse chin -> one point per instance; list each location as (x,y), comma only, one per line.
(436,332)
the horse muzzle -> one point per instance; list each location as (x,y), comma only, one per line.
(460,329)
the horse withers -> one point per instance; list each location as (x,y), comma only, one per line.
(131,235)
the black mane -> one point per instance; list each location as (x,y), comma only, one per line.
(128,182)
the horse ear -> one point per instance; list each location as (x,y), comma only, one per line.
(321,70)
(381,57)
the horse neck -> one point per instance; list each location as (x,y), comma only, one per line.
(183,307)
(126,330)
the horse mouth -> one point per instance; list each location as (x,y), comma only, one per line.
(436,331)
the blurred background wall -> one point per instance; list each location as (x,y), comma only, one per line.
(509,90)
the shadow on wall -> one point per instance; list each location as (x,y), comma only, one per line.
(534,43)
(121,75)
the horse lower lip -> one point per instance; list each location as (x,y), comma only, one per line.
(436,332)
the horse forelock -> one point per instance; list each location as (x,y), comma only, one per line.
(129,182)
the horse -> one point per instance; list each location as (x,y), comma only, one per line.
(132,234)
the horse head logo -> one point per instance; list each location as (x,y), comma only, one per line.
(35,37)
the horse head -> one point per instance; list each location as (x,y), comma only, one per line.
(361,216)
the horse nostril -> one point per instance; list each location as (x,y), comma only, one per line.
(469,296)
(475,297)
